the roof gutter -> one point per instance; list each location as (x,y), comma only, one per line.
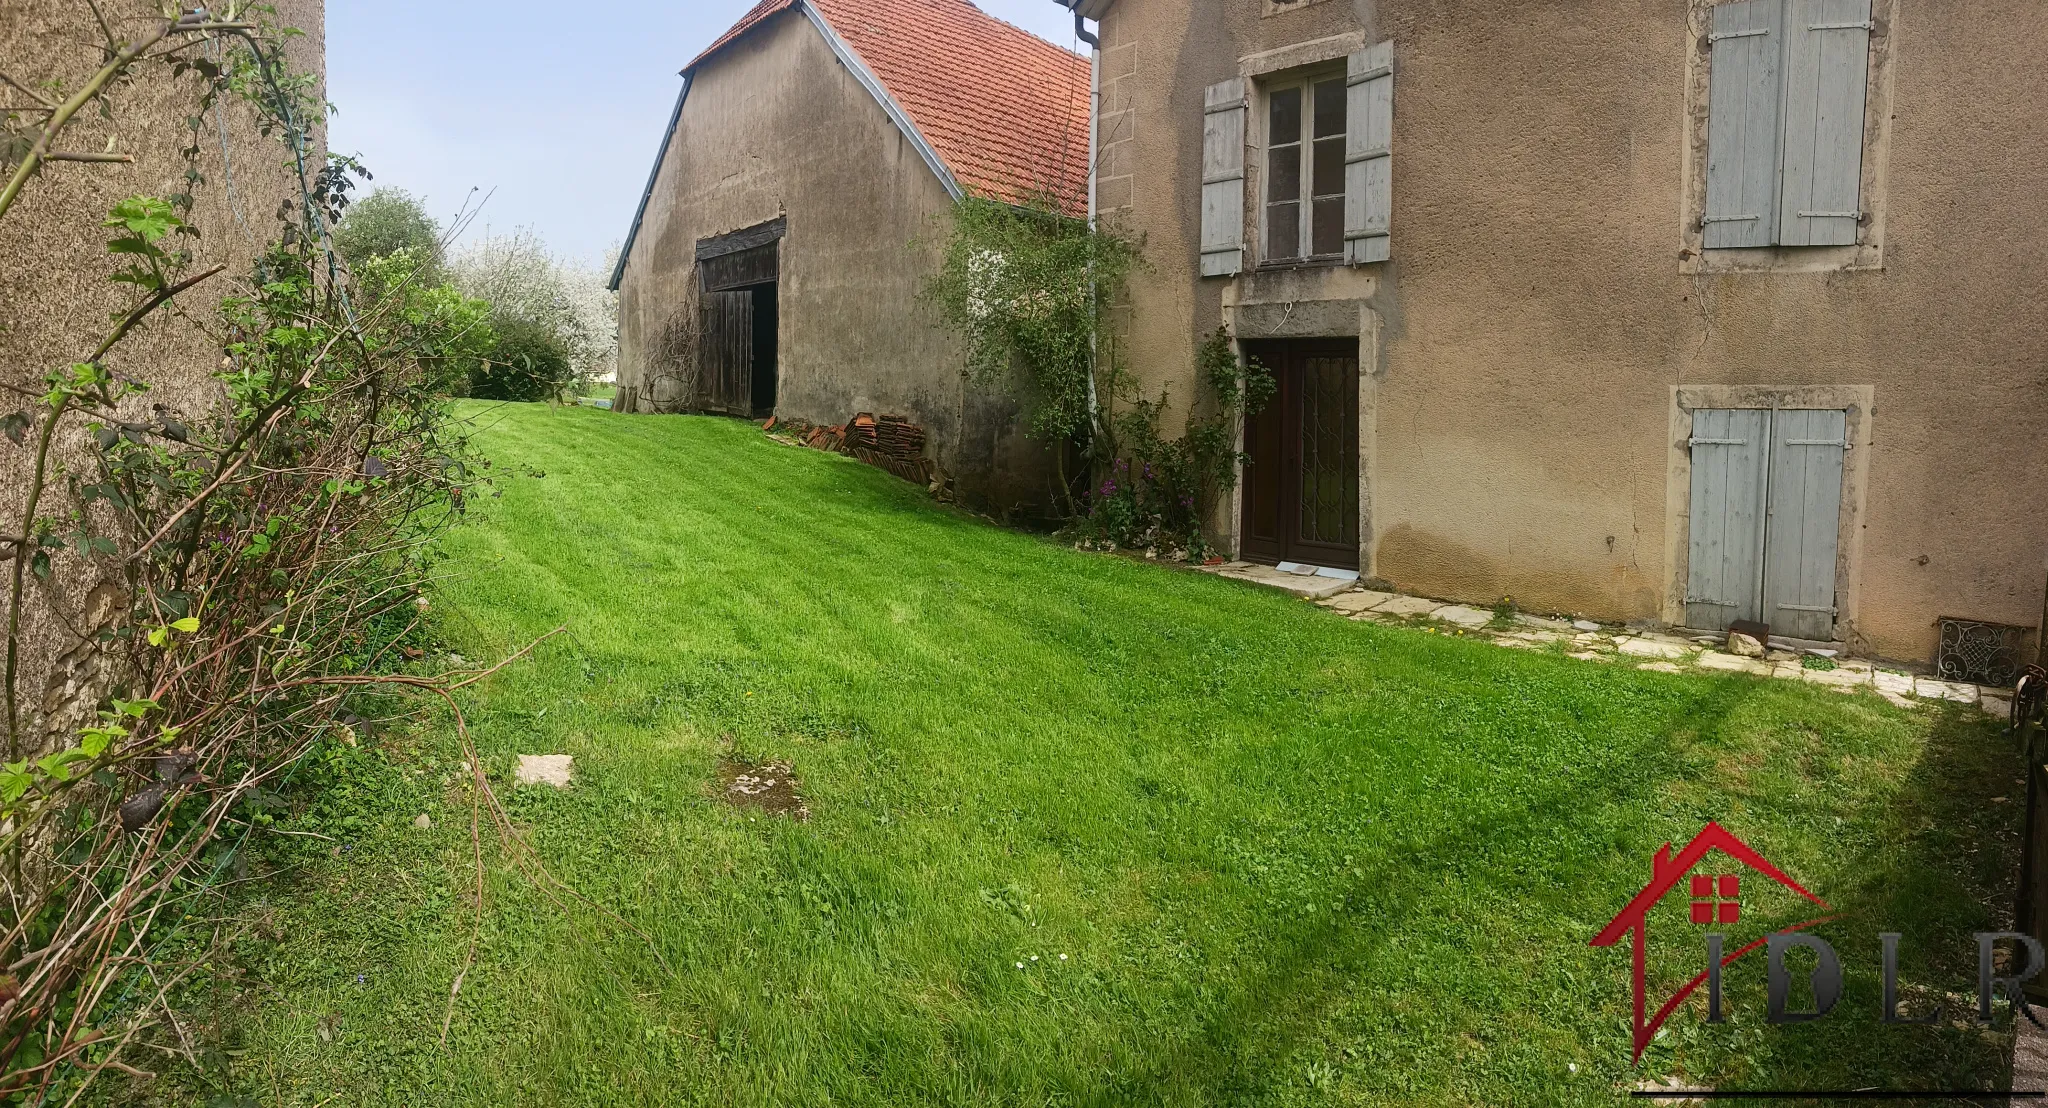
(668,136)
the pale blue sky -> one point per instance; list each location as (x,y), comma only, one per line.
(559,107)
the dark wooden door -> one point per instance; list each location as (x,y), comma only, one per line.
(1301,482)
(725,368)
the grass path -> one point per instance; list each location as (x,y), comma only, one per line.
(1247,852)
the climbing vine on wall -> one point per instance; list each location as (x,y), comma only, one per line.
(1034,295)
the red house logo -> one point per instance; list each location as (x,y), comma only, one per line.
(1716,899)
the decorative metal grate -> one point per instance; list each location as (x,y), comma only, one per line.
(1979,652)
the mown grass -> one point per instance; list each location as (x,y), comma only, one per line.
(1246,852)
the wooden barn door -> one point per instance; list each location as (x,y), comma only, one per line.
(726,366)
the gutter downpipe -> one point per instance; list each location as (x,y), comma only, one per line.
(1094,165)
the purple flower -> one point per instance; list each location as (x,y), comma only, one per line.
(1109,488)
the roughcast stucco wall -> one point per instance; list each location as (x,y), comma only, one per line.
(55,299)
(1537,321)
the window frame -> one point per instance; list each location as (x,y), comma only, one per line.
(1305,81)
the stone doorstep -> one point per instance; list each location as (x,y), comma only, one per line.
(1311,586)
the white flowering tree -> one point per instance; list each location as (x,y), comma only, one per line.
(524,280)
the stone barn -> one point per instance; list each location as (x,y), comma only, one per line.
(802,196)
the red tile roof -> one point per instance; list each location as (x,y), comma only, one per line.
(1006,111)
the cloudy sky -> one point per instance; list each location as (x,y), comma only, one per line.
(558,108)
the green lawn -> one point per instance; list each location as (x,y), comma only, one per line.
(1246,852)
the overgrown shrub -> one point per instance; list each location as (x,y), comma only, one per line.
(1159,492)
(1032,292)
(243,575)
(527,362)
(525,280)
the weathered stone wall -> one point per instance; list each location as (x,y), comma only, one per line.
(775,126)
(55,300)
(1527,344)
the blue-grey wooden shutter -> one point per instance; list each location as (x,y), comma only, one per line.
(1730,463)
(1223,119)
(1827,63)
(1745,96)
(1807,453)
(1368,156)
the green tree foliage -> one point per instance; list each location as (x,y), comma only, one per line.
(450,334)
(388,221)
(528,362)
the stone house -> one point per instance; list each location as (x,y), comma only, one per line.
(1667,311)
(801,197)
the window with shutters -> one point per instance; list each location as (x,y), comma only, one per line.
(1787,96)
(1304,179)
(1297,163)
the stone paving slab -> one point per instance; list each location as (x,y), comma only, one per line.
(1656,650)
(1840,678)
(1462,616)
(546,769)
(1929,689)
(1898,684)
(1358,600)
(1408,606)
(1729,663)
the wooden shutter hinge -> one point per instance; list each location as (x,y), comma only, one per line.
(1719,35)
(1717,442)
(1866,25)
(1828,608)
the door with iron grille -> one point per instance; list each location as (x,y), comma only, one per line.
(1301,480)
(1765,519)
